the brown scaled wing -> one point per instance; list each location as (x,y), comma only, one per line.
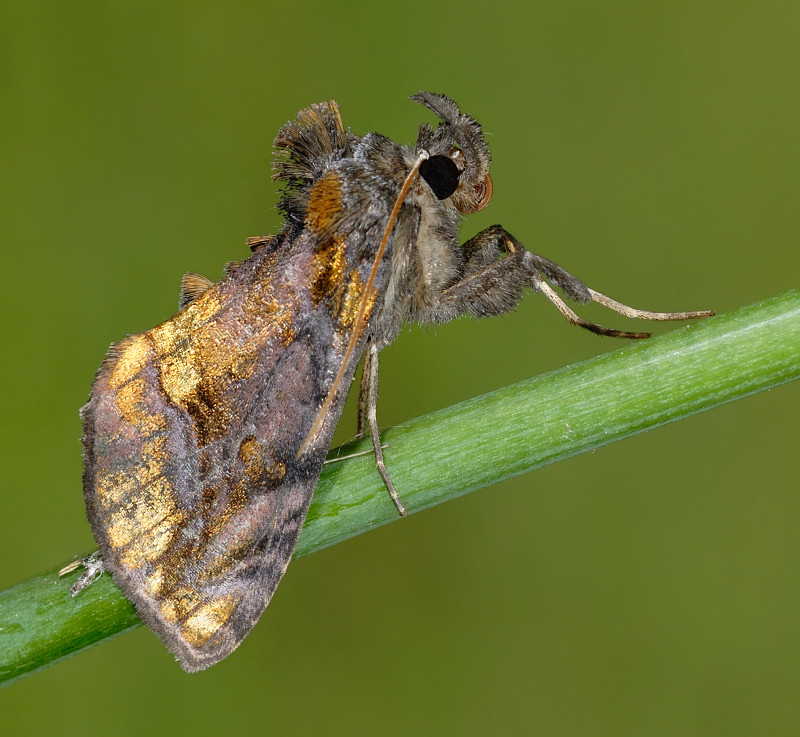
(193,486)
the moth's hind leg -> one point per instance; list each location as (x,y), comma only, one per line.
(498,268)
(93,566)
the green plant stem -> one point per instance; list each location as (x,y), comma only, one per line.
(465,447)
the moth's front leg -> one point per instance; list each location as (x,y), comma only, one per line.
(496,243)
(497,270)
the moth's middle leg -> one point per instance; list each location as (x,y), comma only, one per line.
(368,418)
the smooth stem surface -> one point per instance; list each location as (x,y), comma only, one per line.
(465,447)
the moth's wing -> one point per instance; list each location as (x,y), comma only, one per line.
(193,484)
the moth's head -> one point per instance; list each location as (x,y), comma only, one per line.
(458,167)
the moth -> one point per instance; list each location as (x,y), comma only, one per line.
(205,436)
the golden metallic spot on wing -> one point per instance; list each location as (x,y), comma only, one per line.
(329,266)
(153,583)
(257,465)
(180,375)
(206,620)
(251,454)
(144,510)
(149,424)
(153,460)
(111,487)
(151,544)
(209,498)
(324,203)
(176,343)
(351,302)
(236,502)
(131,403)
(275,473)
(195,367)
(126,359)
(129,399)
(281,320)
(136,518)
(154,451)
(180,602)
(202,353)
(244,365)
(140,504)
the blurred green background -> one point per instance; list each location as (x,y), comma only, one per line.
(651,148)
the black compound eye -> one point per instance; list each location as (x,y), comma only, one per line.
(441,174)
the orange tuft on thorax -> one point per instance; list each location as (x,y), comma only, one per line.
(324,202)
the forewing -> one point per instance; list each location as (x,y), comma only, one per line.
(192,479)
